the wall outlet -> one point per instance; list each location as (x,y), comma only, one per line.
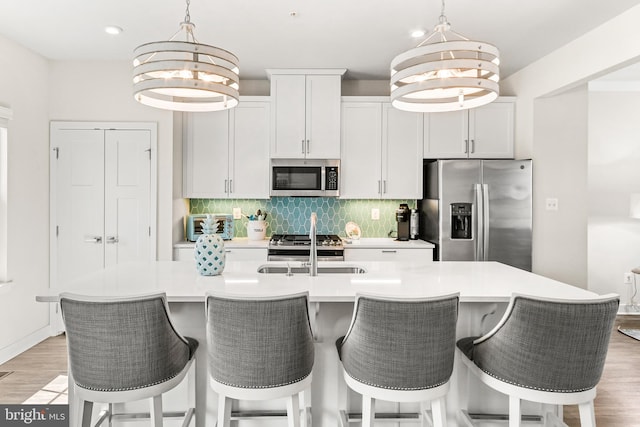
(628,278)
(375,214)
(551,204)
(237,213)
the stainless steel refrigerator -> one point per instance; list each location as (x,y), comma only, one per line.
(478,210)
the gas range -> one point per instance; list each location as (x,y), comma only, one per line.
(295,247)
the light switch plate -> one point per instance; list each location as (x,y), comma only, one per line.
(237,213)
(552,204)
(375,214)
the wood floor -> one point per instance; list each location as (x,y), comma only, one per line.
(617,404)
(618,400)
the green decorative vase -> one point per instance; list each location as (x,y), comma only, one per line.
(209,252)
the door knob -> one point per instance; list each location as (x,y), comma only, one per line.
(93,239)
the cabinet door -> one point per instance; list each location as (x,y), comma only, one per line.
(323,117)
(402,136)
(399,255)
(288,116)
(246,254)
(206,155)
(446,135)
(360,165)
(491,131)
(249,156)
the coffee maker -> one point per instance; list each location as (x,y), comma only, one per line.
(403,216)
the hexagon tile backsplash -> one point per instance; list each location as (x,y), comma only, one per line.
(291,214)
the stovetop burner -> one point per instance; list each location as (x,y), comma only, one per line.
(305,240)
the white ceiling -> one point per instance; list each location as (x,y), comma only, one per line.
(359,35)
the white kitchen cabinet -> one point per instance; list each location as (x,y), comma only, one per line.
(306,114)
(226,153)
(479,133)
(388,254)
(381,154)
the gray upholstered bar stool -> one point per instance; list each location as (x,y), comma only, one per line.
(400,350)
(259,349)
(123,350)
(543,350)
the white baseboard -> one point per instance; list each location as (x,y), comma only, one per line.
(629,309)
(24,344)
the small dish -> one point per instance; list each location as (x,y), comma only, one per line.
(353,230)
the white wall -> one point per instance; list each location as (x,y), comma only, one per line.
(24,87)
(560,171)
(102,91)
(614,173)
(604,49)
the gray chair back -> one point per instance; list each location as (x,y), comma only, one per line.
(402,344)
(550,345)
(122,343)
(259,342)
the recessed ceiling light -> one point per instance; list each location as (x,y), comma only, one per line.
(113,30)
(417,33)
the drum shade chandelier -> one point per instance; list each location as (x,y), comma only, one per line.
(445,72)
(185,75)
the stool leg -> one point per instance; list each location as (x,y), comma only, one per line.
(156,411)
(368,411)
(224,411)
(439,412)
(514,411)
(587,414)
(85,412)
(293,410)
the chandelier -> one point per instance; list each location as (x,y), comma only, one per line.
(446,72)
(185,75)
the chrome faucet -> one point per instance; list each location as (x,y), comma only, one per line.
(313,250)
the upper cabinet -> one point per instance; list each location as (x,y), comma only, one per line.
(305,118)
(226,153)
(480,133)
(381,152)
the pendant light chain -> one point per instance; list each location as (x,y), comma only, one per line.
(187,17)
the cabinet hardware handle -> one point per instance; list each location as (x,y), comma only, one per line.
(94,239)
(230,186)
(308,147)
(226,185)
(227,250)
(466,146)
(389,251)
(303,146)
(379,187)
(385,186)
(112,239)
(473,146)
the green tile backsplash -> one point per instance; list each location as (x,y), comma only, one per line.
(291,214)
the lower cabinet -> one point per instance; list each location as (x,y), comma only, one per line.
(231,254)
(377,254)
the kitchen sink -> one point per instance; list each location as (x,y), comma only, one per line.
(338,269)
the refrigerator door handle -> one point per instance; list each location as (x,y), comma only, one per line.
(479,225)
(485,222)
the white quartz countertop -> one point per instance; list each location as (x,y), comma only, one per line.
(386,243)
(368,242)
(235,243)
(476,281)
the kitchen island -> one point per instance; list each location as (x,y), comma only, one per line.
(485,289)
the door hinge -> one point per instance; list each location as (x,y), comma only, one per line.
(57,150)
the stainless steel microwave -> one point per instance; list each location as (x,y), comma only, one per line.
(305,177)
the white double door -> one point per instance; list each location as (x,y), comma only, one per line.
(102,198)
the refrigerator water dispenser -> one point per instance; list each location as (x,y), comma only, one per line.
(461,220)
